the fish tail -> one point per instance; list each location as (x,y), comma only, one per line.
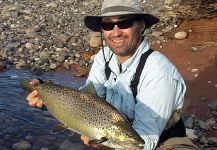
(26,85)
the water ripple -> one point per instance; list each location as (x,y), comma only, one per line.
(17,119)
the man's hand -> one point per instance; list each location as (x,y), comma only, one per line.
(86,140)
(32,98)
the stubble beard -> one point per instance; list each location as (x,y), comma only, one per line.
(128,51)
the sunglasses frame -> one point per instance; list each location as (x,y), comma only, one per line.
(124,23)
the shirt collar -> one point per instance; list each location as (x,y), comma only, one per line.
(143,47)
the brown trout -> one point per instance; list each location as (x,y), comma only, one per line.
(87,114)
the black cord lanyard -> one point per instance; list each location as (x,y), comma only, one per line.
(107,68)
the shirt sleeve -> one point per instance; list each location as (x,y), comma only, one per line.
(97,75)
(156,101)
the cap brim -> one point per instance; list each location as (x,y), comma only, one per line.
(93,22)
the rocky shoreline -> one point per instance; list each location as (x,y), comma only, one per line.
(44,35)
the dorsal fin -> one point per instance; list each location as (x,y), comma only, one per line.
(59,128)
(89,88)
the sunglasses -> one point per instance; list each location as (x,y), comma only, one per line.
(122,24)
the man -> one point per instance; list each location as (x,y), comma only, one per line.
(154,105)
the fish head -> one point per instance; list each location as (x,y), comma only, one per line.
(131,141)
(124,138)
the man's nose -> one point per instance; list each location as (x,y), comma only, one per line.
(116,31)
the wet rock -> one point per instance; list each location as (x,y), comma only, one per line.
(214,113)
(95,39)
(204,140)
(59,44)
(30,33)
(44,148)
(21,64)
(38,71)
(214,126)
(23,145)
(202,125)
(63,53)
(148,31)
(189,122)
(191,134)
(213,105)
(77,55)
(44,56)
(53,66)
(11,45)
(80,72)
(3,65)
(180,35)
(210,122)
(26,11)
(212,140)
(15,14)
(87,56)
(66,64)
(52,5)
(64,38)
(2,142)
(28,17)
(157,33)
(60,58)
(194,48)
(67,145)
(29,45)
(169,2)
(3,54)
(95,42)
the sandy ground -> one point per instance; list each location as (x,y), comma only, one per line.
(201,84)
(199,68)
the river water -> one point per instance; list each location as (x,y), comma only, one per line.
(19,122)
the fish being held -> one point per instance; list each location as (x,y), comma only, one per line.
(87,114)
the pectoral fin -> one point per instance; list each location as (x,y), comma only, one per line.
(59,128)
(96,141)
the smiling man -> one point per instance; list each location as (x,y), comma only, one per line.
(123,35)
(141,83)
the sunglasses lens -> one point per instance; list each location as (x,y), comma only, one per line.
(125,24)
(107,26)
(122,24)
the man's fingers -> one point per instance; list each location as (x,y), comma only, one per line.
(85,139)
(34,82)
(32,95)
(39,104)
(33,102)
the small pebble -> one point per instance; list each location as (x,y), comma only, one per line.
(180,35)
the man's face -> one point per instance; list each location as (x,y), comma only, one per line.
(122,34)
